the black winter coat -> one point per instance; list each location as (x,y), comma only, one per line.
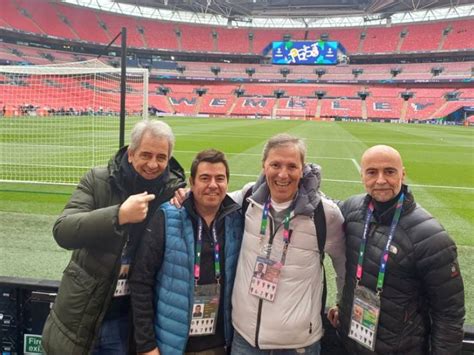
(422,303)
(89,226)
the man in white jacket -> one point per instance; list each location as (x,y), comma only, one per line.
(280,313)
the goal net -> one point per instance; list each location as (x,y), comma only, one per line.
(289,114)
(58,121)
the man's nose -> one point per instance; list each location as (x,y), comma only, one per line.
(283,173)
(152,164)
(213,183)
(381,178)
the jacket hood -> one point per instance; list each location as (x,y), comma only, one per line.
(307,197)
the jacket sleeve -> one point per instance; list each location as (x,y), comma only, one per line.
(148,260)
(335,242)
(239,195)
(85,224)
(438,267)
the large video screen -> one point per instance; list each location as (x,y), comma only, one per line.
(305,52)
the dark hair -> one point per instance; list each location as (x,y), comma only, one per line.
(212,156)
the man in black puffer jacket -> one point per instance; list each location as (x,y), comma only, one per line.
(419,287)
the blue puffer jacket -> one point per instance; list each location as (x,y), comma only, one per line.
(175,281)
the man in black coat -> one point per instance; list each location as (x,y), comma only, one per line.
(403,291)
(102,224)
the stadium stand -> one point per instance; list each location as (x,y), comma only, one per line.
(233,40)
(166,39)
(423,37)
(380,40)
(196,38)
(98,26)
(84,23)
(17,18)
(461,35)
(114,23)
(217,104)
(253,106)
(44,15)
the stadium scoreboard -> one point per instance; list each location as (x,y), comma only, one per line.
(305,52)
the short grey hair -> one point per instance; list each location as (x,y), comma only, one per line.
(158,129)
(282,140)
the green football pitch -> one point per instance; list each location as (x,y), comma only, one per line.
(439,161)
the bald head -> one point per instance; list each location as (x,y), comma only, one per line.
(382,172)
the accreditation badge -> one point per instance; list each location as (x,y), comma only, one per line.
(264,281)
(365,317)
(122,288)
(205,309)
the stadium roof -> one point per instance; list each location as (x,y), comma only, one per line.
(297,8)
(288,13)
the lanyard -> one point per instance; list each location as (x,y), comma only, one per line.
(286,231)
(363,243)
(197,263)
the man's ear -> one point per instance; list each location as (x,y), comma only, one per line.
(403,174)
(130,154)
(191,181)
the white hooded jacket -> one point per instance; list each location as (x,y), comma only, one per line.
(293,319)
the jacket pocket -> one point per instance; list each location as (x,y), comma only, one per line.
(71,307)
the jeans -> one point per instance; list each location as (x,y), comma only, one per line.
(113,337)
(241,347)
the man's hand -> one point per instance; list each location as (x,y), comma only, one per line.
(155,351)
(135,208)
(179,196)
(333,316)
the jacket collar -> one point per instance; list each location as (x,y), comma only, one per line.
(386,216)
(227,206)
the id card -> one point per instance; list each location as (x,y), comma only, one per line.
(122,288)
(264,281)
(205,309)
(365,317)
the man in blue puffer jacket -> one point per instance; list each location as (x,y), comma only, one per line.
(184,271)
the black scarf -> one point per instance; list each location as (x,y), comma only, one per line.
(134,183)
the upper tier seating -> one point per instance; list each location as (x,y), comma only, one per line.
(47,18)
(423,37)
(381,39)
(461,35)
(86,24)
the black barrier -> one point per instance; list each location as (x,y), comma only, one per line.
(25,304)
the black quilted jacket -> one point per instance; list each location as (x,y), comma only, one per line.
(422,303)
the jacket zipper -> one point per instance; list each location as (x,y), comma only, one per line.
(110,296)
(260,303)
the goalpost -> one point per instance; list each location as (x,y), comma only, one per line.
(58,121)
(289,113)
